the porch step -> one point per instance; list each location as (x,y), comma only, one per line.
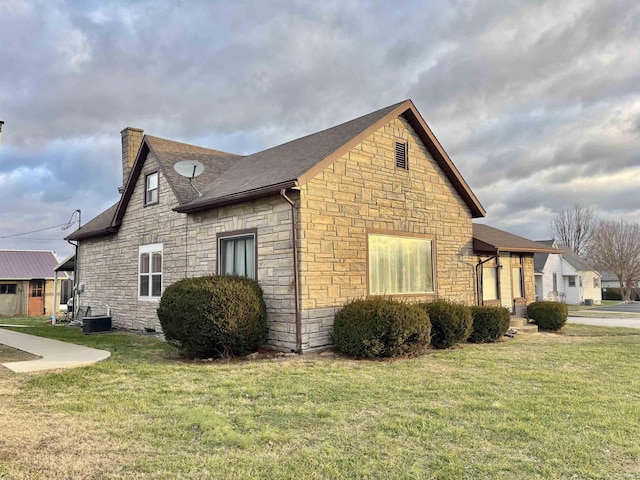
(518,322)
(522,325)
(526,329)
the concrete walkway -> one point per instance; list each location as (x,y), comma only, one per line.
(55,354)
(606,322)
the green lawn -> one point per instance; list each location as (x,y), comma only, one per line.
(544,406)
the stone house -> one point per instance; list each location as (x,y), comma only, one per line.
(505,268)
(373,206)
(566,277)
(27,283)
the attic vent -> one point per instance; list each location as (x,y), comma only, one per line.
(401,155)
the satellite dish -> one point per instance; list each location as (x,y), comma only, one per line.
(189,168)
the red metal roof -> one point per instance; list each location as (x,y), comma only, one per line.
(27,264)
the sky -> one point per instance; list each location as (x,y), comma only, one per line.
(536,102)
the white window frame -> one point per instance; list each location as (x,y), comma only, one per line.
(250,233)
(372,267)
(147,190)
(150,249)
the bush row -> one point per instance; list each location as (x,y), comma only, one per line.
(223,315)
(383,327)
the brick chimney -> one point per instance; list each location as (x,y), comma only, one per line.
(131,141)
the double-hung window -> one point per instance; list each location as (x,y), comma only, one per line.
(150,271)
(151,188)
(237,254)
(400,265)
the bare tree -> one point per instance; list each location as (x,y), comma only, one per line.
(574,227)
(615,247)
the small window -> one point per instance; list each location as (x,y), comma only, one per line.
(596,282)
(572,280)
(7,288)
(151,189)
(36,288)
(400,265)
(237,255)
(150,271)
(401,155)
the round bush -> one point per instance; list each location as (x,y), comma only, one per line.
(489,323)
(548,315)
(451,322)
(214,316)
(381,327)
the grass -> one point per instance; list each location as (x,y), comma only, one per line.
(545,406)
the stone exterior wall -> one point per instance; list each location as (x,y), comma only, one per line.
(108,265)
(271,218)
(361,192)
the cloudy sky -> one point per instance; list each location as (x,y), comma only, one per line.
(537,102)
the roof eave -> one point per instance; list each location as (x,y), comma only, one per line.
(235,198)
(95,233)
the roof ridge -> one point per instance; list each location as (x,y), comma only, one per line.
(191,145)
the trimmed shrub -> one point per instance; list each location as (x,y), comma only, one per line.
(489,323)
(381,327)
(214,316)
(451,322)
(548,315)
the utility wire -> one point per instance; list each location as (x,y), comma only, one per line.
(64,226)
(34,231)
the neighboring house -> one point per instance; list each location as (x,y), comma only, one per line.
(27,282)
(566,277)
(505,268)
(609,280)
(373,206)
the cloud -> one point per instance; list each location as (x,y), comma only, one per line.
(536,102)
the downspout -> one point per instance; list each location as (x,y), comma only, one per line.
(76,272)
(283,194)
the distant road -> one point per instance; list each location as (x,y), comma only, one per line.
(606,322)
(631,307)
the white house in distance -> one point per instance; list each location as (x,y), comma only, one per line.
(566,277)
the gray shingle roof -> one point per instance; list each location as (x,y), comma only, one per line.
(575,260)
(168,153)
(230,178)
(289,161)
(540,259)
(100,225)
(27,264)
(488,239)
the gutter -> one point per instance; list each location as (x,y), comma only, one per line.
(283,194)
(234,198)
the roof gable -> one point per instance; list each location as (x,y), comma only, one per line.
(295,162)
(26,264)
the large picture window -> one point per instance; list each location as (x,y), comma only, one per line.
(150,271)
(400,265)
(237,254)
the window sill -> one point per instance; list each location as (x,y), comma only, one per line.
(150,204)
(149,299)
